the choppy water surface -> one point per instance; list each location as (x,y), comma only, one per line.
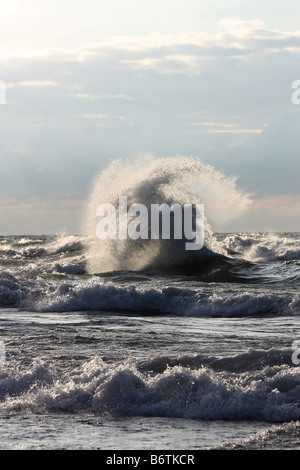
(150,360)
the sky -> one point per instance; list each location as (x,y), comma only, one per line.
(84,82)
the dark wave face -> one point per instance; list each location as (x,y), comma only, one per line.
(170,181)
(257,385)
(51,274)
(96,329)
(231,275)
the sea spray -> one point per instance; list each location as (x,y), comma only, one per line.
(150,180)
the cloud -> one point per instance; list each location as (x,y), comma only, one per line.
(228,131)
(279,204)
(94,116)
(34,83)
(240,25)
(271,213)
(233,34)
(41,84)
(225,97)
(90,97)
(221,128)
(268,162)
(60,202)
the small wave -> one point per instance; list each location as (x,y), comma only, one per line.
(65,244)
(261,247)
(27,241)
(251,360)
(277,437)
(236,258)
(267,394)
(32,285)
(97,295)
(12,292)
(47,246)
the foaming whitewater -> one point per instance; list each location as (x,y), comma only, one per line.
(150,180)
(258,385)
(191,348)
(260,247)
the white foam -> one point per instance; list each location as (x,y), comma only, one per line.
(265,394)
(152,180)
(11,290)
(65,243)
(97,294)
(264,247)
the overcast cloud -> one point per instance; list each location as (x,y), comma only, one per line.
(221,92)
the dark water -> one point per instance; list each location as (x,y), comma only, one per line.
(198,355)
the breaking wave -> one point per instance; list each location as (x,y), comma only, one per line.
(96,295)
(58,280)
(173,180)
(259,385)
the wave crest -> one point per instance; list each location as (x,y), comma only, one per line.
(268,392)
(180,180)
